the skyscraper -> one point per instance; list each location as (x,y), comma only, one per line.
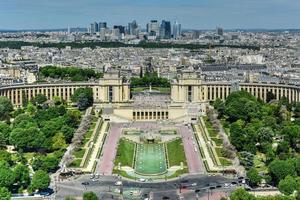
(220,31)
(102,25)
(176,30)
(133,28)
(165,29)
(121,28)
(92,29)
(96,27)
(153,28)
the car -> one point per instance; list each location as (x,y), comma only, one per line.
(118,183)
(226,185)
(92,176)
(142,180)
(193,184)
(85,183)
(44,193)
(97,176)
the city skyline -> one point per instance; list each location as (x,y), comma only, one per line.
(192,14)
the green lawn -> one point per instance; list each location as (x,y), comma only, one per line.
(219,151)
(176,153)
(75,163)
(218,141)
(161,89)
(125,153)
(225,162)
(179,172)
(79,153)
(210,129)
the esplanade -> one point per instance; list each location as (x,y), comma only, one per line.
(186,89)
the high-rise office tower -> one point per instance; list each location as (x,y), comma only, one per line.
(96,27)
(92,29)
(165,29)
(121,28)
(220,31)
(176,30)
(133,28)
(102,25)
(153,28)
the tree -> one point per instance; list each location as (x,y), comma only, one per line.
(253,176)
(89,196)
(5,108)
(39,99)
(4,194)
(83,102)
(292,133)
(40,181)
(83,97)
(241,194)
(4,134)
(279,169)
(50,163)
(31,109)
(47,163)
(265,134)
(297,165)
(29,138)
(237,135)
(288,185)
(241,99)
(270,97)
(68,132)
(22,175)
(6,156)
(7,176)
(59,141)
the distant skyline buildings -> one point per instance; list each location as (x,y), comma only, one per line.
(176,30)
(154,29)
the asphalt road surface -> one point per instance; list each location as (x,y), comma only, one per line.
(105,186)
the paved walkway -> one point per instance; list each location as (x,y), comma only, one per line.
(96,146)
(191,150)
(106,164)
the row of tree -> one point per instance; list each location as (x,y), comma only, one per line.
(95,44)
(150,79)
(69,73)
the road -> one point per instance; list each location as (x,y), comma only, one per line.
(106,184)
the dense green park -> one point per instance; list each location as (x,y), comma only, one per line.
(40,132)
(265,132)
(69,73)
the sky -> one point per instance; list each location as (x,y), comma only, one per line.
(192,14)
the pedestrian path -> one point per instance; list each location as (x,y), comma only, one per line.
(194,162)
(97,145)
(106,163)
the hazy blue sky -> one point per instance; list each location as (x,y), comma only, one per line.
(199,14)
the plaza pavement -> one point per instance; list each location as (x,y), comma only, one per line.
(192,155)
(106,163)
